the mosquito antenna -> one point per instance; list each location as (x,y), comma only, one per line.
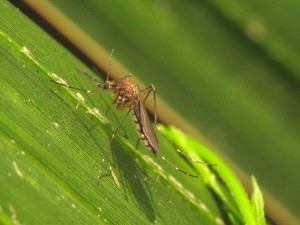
(109,64)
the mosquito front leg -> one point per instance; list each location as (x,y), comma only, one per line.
(76,88)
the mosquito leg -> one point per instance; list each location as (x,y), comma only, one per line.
(109,144)
(150,89)
(176,168)
(193,160)
(181,152)
(154,98)
(78,89)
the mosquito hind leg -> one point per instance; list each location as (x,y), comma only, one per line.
(182,153)
(148,91)
(176,168)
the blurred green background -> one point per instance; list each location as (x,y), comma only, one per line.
(230,68)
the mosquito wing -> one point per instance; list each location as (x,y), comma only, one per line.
(145,127)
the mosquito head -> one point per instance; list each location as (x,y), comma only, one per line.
(107,85)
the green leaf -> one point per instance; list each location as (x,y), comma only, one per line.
(52,139)
(237,204)
(229,68)
(258,203)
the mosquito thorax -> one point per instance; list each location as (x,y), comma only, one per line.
(125,93)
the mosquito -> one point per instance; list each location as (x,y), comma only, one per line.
(128,95)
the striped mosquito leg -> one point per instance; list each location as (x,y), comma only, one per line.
(182,153)
(176,168)
(76,88)
(193,160)
(150,89)
(109,143)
